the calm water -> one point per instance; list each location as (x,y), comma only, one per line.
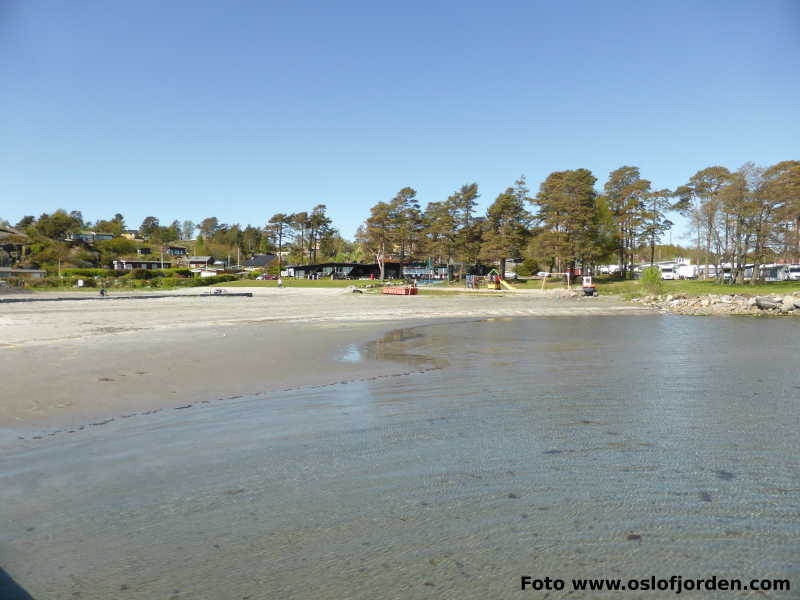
(583,447)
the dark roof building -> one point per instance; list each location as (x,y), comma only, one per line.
(392,270)
(259,261)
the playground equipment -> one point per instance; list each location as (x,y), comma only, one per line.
(492,281)
(589,288)
(544,279)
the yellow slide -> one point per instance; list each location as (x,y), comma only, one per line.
(507,285)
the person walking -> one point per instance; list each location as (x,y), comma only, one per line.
(280,282)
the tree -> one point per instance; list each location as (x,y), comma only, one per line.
(149,226)
(279,229)
(406,221)
(375,234)
(782,190)
(300,224)
(468,236)
(187,230)
(506,226)
(654,222)
(439,229)
(25,222)
(698,200)
(208,227)
(319,228)
(57,225)
(567,210)
(625,193)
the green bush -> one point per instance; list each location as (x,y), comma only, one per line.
(215,279)
(651,281)
(143,274)
(84,273)
(527,267)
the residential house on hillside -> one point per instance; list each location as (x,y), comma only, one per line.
(143,251)
(87,236)
(176,251)
(12,246)
(124,264)
(132,234)
(200,261)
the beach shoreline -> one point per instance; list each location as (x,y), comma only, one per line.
(68,364)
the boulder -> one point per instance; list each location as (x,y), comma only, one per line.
(766,303)
(789,302)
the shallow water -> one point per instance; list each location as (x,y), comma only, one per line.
(567,447)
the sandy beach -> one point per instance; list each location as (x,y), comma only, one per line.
(66,363)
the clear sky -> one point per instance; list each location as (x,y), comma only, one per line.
(239,109)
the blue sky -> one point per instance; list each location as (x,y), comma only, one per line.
(240,109)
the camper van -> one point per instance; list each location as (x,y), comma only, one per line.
(668,273)
(686,271)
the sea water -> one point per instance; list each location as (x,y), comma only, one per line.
(603,447)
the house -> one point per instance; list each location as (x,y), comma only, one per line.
(176,251)
(132,234)
(259,261)
(144,250)
(129,265)
(392,270)
(200,261)
(12,245)
(87,236)
(9,273)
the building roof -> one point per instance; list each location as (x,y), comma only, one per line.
(9,235)
(260,260)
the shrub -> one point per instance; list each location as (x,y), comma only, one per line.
(216,279)
(527,267)
(143,274)
(84,273)
(651,281)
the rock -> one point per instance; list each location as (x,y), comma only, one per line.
(788,302)
(726,299)
(765,303)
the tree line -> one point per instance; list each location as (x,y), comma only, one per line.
(747,216)
(751,215)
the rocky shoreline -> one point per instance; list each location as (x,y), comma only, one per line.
(731,304)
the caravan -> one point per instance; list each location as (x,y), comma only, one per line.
(686,271)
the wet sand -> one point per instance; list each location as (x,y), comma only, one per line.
(68,363)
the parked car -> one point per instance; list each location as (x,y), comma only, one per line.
(794,273)
(263,277)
